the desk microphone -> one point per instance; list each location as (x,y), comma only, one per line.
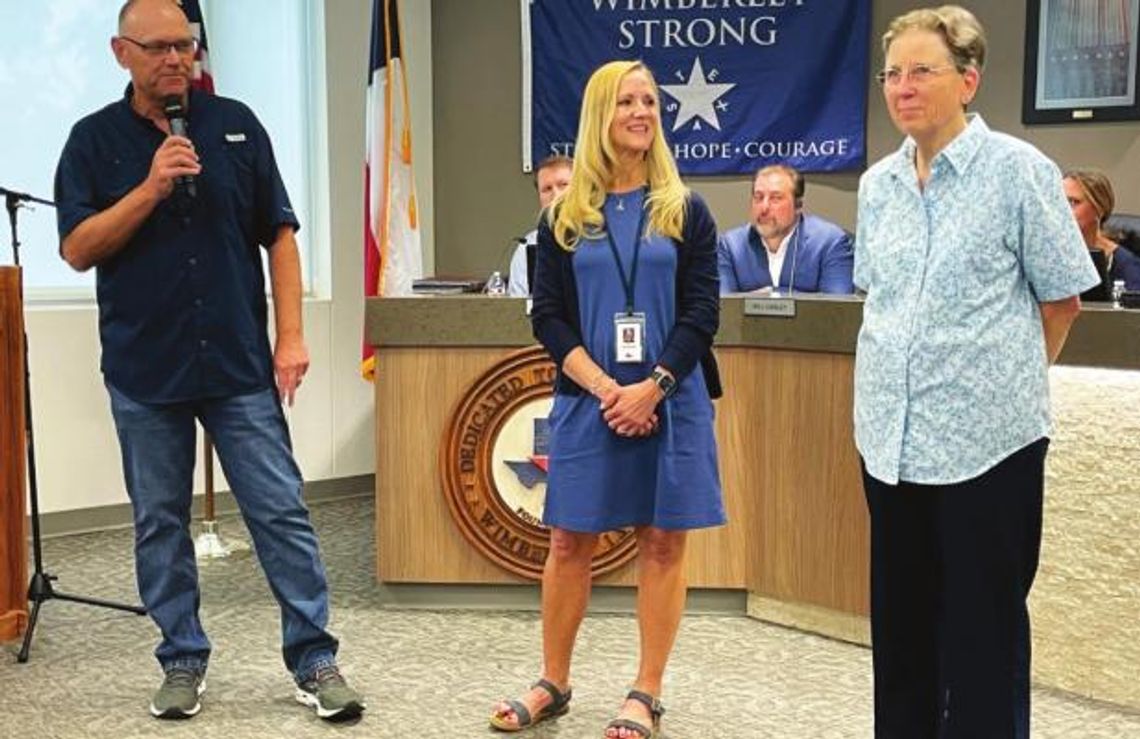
(176,115)
(795,253)
(516,242)
(503,260)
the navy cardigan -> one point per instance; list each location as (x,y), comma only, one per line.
(554,316)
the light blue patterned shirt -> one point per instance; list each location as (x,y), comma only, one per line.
(950,366)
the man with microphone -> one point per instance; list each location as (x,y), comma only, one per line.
(171,194)
(783,248)
(551,177)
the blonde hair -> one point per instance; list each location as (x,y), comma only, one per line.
(577,213)
(959,29)
(1097,190)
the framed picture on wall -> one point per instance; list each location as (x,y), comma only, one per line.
(1081,61)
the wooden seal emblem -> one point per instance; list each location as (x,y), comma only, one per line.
(493,464)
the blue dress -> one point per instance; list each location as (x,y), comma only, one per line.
(599,481)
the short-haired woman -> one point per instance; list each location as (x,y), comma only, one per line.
(972,265)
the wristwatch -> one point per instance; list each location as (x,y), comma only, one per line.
(664,381)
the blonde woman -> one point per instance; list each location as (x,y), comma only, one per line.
(1092,199)
(626,302)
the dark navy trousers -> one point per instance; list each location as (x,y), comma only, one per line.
(951,570)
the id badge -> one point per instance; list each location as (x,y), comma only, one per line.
(629,337)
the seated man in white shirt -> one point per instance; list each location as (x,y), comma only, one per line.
(784,248)
(551,177)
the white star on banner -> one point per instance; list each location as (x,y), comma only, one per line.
(697,98)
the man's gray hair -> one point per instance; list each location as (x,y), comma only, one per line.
(130,4)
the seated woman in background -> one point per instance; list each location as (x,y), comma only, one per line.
(1092,200)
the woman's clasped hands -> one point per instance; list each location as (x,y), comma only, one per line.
(631,410)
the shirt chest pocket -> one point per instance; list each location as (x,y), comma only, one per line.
(232,169)
(896,239)
(123,174)
(240,159)
(988,259)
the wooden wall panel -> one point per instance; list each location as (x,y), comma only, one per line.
(792,458)
(13,544)
(417,540)
(416,391)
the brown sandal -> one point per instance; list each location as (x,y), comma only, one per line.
(656,711)
(558,706)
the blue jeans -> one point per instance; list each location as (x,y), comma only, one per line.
(252,442)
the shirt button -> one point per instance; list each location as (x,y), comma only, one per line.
(193,261)
(197,302)
(202,343)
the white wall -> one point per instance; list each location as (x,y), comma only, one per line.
(332,422)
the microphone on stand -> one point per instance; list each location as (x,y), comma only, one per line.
(495,284)
(509,250)
(795,253)
(176,115)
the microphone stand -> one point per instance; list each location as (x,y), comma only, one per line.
(795,253)
(40,587)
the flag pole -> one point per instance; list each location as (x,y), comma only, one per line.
(209,543)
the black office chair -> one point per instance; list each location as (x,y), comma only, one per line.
(1124,228)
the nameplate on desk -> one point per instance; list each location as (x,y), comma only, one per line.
(773,307)
(446,285)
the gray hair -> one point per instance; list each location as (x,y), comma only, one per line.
(129,5)
(959,29)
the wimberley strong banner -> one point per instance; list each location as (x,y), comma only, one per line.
(743,82)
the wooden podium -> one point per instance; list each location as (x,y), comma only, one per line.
(797,537)
(797,541)
(13,545)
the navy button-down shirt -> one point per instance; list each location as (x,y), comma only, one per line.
(182,306)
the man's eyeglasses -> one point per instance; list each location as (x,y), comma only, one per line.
(182,47)
(918,74)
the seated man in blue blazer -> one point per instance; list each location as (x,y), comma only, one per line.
(808,253)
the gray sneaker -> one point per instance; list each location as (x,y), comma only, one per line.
(177,697)
(329,694)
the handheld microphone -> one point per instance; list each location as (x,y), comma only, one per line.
(176,115)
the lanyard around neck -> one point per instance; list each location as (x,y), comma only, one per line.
(628,284)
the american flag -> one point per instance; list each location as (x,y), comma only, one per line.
(202,78)
(392,254)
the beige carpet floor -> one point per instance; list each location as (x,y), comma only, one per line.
(428,673)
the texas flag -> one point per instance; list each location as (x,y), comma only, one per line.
(201,76)
(392,254)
